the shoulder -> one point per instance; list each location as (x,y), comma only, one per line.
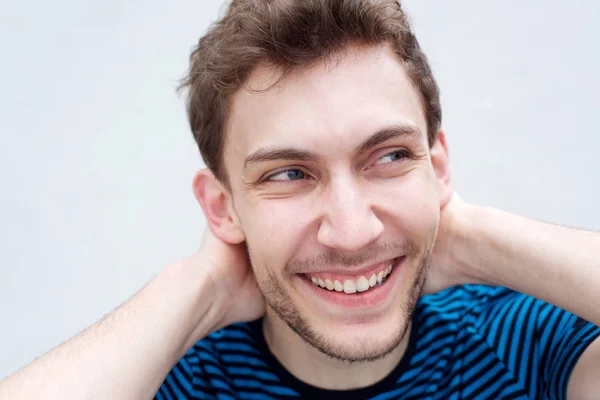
(468,292)
(493,314)
(235,344)
(535,344)
(474,299)
(205,371)
(231,336)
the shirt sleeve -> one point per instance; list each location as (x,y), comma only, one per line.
(563,337)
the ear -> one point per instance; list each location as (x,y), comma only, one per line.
(217,205)
(441,167)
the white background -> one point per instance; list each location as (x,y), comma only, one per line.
(96,159)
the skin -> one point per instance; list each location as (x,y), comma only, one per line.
(555,264)
(215,286)
(338,206)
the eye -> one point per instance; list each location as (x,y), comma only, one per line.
(391,157)
(287,175)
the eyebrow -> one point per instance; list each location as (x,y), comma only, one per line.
(293,154)
(290,154)
(388,133)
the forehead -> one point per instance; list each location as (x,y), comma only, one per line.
(332,105)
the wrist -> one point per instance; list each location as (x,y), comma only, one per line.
(196,303)
(470,235)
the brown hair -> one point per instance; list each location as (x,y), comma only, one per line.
(289,34)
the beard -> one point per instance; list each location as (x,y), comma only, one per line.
(279,300)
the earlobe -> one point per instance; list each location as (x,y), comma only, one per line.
(441,167)
(215,201)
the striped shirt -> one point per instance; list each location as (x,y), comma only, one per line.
(467,342)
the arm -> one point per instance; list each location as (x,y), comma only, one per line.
(130,351)
(558,265)
(128,354)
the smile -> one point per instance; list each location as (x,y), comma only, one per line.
(357,285)
(349,284)
(359,289)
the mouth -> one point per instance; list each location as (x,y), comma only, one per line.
(367,289)
(353,284)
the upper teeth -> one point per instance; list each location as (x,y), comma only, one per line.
(351,286)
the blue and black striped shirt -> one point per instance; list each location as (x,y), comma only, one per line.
(467,342)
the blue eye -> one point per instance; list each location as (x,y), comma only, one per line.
(288,175)
(391,157)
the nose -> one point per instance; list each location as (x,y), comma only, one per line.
(349,223)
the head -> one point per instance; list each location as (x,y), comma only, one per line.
(319,122)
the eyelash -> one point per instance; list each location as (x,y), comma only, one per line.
(405,154)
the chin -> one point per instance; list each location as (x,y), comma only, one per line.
(357,327)
(363,342)
(357,335)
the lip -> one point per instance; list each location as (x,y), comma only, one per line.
(341,274)
(374,267)
(371,298)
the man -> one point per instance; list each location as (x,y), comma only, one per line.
(328,187)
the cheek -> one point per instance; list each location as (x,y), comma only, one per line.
(283,220)
(414,206)
(274,229)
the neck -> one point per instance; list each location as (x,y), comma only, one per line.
(315,368)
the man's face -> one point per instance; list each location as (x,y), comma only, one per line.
(332,182)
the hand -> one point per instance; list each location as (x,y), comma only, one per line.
(235,288)
(446,268)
